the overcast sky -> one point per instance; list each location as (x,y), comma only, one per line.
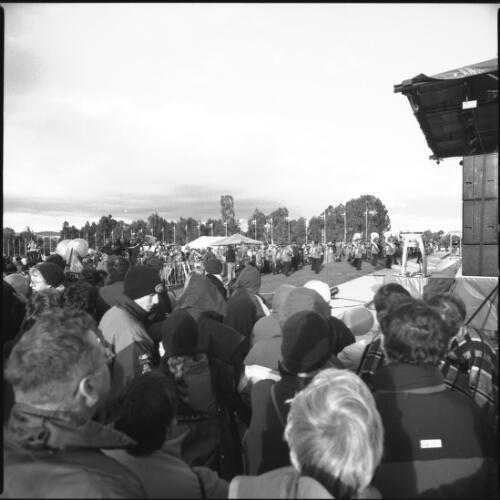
(129,109)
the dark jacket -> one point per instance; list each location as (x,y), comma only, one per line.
(49,454)
(437,442)
(124,329)
(264,447)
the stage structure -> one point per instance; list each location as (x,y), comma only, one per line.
(458,113)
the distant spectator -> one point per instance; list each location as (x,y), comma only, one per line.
(58,371)
(335,436)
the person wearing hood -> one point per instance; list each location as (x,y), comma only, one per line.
(245,306)
(213,270)
(305,349)
(124,326)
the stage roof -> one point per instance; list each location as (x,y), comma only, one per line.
(437,103)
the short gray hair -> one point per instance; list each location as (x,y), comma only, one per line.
(335,432)
(52,355)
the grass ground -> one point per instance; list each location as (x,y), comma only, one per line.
(334,273)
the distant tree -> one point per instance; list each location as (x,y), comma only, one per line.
(378,218)
(259,225)
(155,223)
(227,207)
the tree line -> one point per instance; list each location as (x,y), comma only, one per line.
(364,215)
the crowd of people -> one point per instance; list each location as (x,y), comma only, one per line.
(115,385)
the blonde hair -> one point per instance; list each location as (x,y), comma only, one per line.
(335,432)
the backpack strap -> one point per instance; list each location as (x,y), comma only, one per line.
(276,407)
(200,484)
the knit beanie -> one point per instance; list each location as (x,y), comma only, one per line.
(52,273)
(213,266)
(306,343)
(56,259)
(303,299)
(179,334)
(140,280)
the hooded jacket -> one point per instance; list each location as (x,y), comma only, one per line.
(50,454)
(201,295)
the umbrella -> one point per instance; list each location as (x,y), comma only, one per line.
(237,239)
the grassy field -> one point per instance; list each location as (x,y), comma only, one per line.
(334,273)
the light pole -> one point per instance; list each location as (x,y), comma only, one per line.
(212,228)
(324,226)
(306,230)
(163,234)
(225,225)
(288,220)
(345,225)
(199,228)
(255,227)
(174,232)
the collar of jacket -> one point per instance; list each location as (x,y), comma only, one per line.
(38,429)
(129,305)
(403,377)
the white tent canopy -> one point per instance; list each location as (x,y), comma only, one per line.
(238,239)
(203,242)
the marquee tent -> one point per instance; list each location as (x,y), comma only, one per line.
(238,239)
(203,242)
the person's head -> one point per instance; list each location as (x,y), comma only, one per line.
(145,412)
(46,275)
(213,266)
(306,342)
(57,259)
(249,279)
(19,283)
(321,287)
(61,364)
(335,433)
(387,296)
(81,295)
(359,320)
(179,334)
(41,302)
(141,284)
(414,333)
(117,267)
(96,277)
(303,299)
(452,309)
